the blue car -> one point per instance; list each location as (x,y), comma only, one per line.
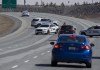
(72,48)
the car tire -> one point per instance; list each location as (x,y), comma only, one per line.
(38,25)
(83,33)
(89,65)
(91,36)
(53,63)
(36,33)
(48,32)
(56,31)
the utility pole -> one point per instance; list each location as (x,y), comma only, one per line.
(41,2)
(92,1)
(25,4)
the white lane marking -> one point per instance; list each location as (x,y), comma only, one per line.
(27,61)
(35,57)
(15,66)
(48,51)
(42,53)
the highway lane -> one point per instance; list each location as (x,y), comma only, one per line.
(25,38)
(37,58)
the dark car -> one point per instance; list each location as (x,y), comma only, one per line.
(66,29)
(72,48)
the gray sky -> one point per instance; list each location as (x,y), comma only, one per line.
(31,2)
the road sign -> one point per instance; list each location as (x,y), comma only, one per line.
(9,3)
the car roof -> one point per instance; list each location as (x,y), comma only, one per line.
(39,18)
(72,35)
(66,25)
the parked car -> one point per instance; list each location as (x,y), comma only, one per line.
(25,13)
(67,29)
(72,48)
(47,29)
(91,31)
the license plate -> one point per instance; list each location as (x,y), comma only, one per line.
(72,48)
(67,31)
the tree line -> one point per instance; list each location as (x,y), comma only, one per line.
(76,10)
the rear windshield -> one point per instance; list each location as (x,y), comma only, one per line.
(68,39)
(35,20)
(66,27)
(44,26)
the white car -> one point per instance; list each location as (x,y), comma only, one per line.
(25,13)
(92,31)
(47,29)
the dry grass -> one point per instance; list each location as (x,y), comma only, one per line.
(6,24)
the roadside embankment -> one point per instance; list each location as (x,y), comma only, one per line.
(8,25)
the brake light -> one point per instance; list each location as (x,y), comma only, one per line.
(86,47)
(72,36)
(73,31)
(56,46)
(59,32)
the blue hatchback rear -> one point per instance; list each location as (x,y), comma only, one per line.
(72,48)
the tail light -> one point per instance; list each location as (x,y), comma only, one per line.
(72,36)
(86,47)
(59,32)
(57,46)
(73,31)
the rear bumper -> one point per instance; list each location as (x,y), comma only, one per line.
(73,58)
(42,32)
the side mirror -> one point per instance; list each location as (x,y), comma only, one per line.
(74,28)
(52,43)
(92,45)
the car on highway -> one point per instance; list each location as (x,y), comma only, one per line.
(36,22)
(25,13)
(91,31)
(47,29)
(72,48)
(67,29)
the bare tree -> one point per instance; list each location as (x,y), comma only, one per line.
(36,4)
(62,4)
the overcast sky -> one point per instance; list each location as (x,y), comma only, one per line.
(31,2)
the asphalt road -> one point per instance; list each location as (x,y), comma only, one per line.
(23,50)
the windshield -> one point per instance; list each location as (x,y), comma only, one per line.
(67,39)
(66,27)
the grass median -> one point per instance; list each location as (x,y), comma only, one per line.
(6,25)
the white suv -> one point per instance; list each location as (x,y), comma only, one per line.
(92,31)
(47,29)
(36,22)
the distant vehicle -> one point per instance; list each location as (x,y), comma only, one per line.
(91,31)
(47,29)
(25,13)
(72,48)
(36,22)
(67,29)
